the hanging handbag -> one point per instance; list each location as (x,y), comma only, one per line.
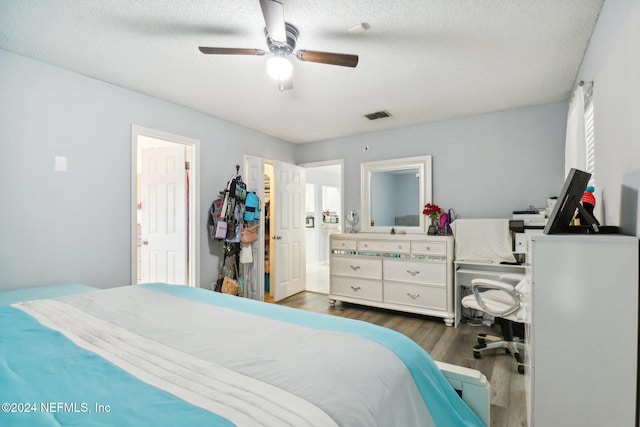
(246,253)
(231,249)
(249,234)
(234,234)
(241,190)
(230,286)
(221,230)
(237,188)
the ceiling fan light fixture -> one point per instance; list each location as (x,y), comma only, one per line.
(279,68)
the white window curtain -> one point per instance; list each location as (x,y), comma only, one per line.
(575,146)
(590,146)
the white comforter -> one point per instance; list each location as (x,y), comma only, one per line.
(250,369)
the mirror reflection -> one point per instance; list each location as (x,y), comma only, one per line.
(393,194)
(394,197)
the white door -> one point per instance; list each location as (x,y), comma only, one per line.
(254,273)
(290,263)
(163,232)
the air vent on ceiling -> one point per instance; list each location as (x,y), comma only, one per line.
(378,115)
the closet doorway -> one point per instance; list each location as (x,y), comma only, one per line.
(165,221)
(324,203)
(281,249)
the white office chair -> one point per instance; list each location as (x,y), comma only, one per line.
(502,299)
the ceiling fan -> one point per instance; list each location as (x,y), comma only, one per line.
(281,40)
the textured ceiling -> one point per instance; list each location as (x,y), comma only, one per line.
(421,60)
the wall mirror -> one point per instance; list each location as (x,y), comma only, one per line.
(394,193)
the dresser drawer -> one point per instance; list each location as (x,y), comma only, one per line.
(421,296)
(357,288)
(426,247)
(415,272)
(343,244)
(399,247)
(370,268)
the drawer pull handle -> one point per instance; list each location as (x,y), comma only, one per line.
(428,248)
(413,273)
(413,296)
(355,267)
(355,288)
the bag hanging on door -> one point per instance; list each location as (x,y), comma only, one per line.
(246,253)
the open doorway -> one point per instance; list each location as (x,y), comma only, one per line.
(281,189)
(324,203)
(165,237)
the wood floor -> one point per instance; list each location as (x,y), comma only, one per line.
(446,344)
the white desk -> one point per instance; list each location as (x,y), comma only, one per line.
(465,272)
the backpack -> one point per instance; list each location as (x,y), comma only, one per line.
(215,214)
(237,188)
(252,207)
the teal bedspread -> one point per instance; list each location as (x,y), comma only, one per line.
(46,380)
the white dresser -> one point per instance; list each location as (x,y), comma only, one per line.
(582,331)
(405,272)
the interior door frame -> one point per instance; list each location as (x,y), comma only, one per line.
(335,162)
(256,184)
(284,278)
(193,232)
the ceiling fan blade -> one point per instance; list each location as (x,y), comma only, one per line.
(285,84)
(273,13)
(230,51)
(342,59)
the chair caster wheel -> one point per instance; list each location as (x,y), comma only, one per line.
(481,341)
(521,369)
(476,355)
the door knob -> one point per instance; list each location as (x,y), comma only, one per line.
(145,242)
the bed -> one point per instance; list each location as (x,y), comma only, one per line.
(157,354)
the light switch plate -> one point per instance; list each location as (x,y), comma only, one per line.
(61,164)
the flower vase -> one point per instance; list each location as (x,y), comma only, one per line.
(433,227)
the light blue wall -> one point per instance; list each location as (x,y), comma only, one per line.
(74,227)
(484,166)
(612,63)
